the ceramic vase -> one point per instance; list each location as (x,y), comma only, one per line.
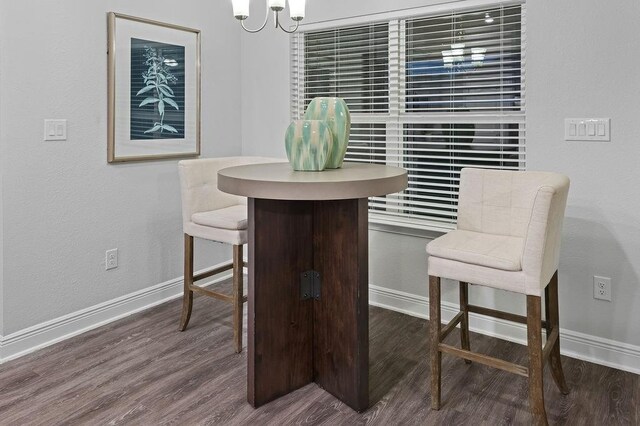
(309,144)
(336,113)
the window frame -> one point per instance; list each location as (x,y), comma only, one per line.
(397,116)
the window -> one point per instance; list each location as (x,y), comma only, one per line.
(431,93)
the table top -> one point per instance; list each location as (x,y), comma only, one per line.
(278,181)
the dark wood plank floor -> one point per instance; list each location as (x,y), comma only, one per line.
(141,370)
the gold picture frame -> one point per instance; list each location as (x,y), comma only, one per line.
(154,85)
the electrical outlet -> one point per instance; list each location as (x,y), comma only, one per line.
(602,288)
(111,259)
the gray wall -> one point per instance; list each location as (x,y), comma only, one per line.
(2,167)
(581,62)
(594,74)
(62,204)
(1,233)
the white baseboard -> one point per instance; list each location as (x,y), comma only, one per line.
(45,334)
(582,346)
(598,350)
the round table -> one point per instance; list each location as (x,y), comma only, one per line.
(278,181)
(308,276)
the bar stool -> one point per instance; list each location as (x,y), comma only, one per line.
(213,215)
(508,237)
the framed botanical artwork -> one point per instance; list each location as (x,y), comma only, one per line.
(154,90)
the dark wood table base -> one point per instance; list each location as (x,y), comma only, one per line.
(292,341)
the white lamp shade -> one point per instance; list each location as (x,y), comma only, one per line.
(240,8)
(296,9)
(277,4)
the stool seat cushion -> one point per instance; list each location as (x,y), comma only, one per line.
(233,217)
(489,250)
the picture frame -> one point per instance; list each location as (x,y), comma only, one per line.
(154,85)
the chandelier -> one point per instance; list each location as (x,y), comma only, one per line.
(296,11)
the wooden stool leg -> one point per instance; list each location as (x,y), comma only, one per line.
(536,366)
(553,321)
(187,298)
(464,322)
(237,297)
(434,340)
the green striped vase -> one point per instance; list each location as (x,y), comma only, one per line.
(308,144)
(336,113)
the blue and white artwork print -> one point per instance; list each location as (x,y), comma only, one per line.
(157,96)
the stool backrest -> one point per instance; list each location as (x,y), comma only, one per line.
(199,183)
(524,204)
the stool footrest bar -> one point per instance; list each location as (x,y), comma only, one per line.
(214,271)
(485,359)
(500,314)
(551,341)
(451,325)
(211,293)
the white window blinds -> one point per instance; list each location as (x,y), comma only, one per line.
(432,94)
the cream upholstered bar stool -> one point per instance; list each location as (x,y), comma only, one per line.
(508,237)
(213,215)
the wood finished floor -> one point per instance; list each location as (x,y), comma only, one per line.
(142,371)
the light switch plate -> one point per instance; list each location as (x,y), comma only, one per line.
(587,129)
(55,130)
